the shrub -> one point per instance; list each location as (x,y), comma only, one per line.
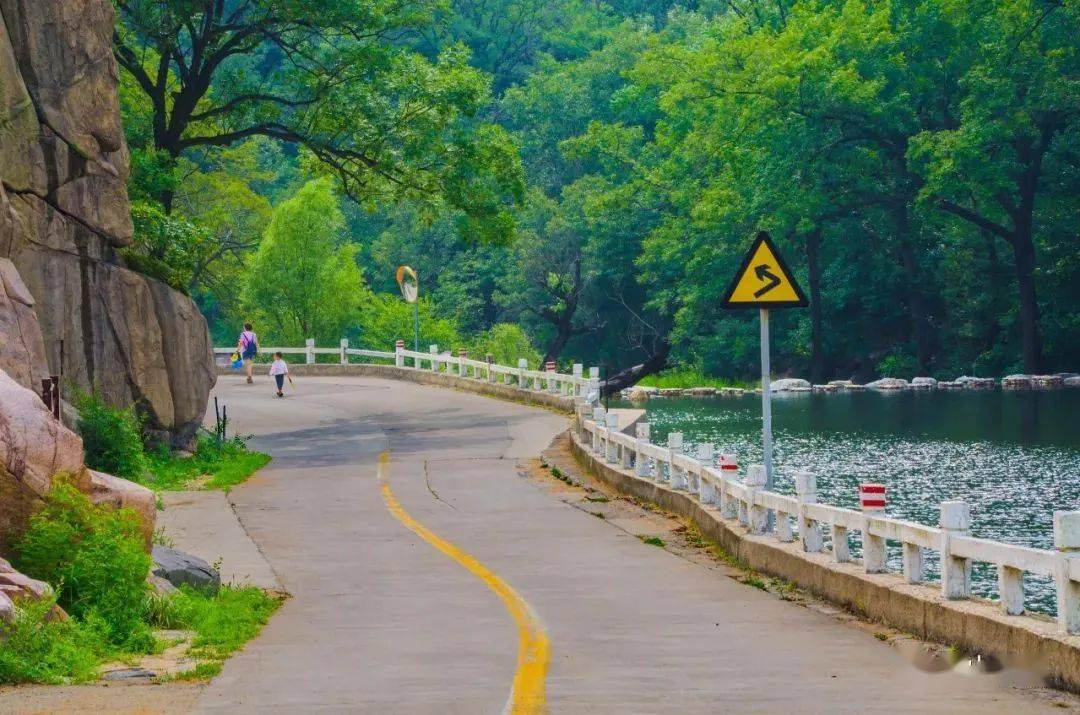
(112,438)
(94,557)
(225,465)
(222,621)
(38,650)
(507,343)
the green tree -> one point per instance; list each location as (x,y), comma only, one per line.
(303,281)
(327,76)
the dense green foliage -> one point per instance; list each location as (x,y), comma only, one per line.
(113,442)
(915,160)
(40,649)
(94,558)
(112,438)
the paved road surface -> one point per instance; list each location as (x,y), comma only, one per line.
(381,621)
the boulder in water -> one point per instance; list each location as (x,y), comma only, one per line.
(790,384)
(888,384)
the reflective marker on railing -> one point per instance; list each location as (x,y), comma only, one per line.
(872,497)
(872,500)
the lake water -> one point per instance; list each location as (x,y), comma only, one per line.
(1013,456)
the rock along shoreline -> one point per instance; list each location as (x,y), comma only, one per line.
(1013,383)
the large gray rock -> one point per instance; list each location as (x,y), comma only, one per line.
(35,447)
(888,383)
(64,211)
(790,384)
(179,568)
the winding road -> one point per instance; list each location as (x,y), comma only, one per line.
(429,576)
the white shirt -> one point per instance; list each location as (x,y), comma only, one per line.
(278,367)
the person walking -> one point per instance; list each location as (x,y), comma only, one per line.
(280,370)
(248,346)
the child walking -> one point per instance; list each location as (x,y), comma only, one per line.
(280,370)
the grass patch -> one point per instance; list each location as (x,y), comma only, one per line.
(684,378)
(598,515)
(653,541)
(213,466)
(752,579)
(38,650)
(93,558)
(598,500)
(881,636)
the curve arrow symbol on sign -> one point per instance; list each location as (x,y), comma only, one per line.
(763,273)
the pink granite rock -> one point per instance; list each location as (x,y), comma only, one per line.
(120,493)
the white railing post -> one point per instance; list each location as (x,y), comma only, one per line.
(344,355)
(626,456)
(729,468)
(592,391)
(577,380)
(757,516)
(434,351)
(809,530)
(914,562)
(599,415)
(583,413)
(309,351)
(490,360)
(641,462)
(675,446)
(955,520)
(552,384)
(523,365)
(1067,542)
(399,353)
(462,369)
(612,422)
(872,501)
(705,488)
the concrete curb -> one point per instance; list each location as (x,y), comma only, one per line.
(974,625)
(560,403)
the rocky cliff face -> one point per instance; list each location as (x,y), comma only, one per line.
(64,211)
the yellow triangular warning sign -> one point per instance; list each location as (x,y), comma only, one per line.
(764,280)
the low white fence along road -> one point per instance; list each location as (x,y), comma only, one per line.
(716,484)
(551,381)
(802,518)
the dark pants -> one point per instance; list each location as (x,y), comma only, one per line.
(280,380)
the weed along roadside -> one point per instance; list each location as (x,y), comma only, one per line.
(89,598)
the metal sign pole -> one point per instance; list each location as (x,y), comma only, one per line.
(416,324)
(766,405)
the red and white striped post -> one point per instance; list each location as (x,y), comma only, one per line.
(549,368)
(872,501)
(729,468)
(399,353)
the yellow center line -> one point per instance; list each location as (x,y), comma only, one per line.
(527,694)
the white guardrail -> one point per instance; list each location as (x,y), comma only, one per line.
(797,518)
(802,518)
(575,385)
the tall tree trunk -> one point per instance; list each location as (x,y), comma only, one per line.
(563,332)
(1024,251)
(916,298)
(813,261)
(1030,342)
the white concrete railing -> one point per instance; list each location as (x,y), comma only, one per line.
(309,351)
(575,385)
(802,518)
